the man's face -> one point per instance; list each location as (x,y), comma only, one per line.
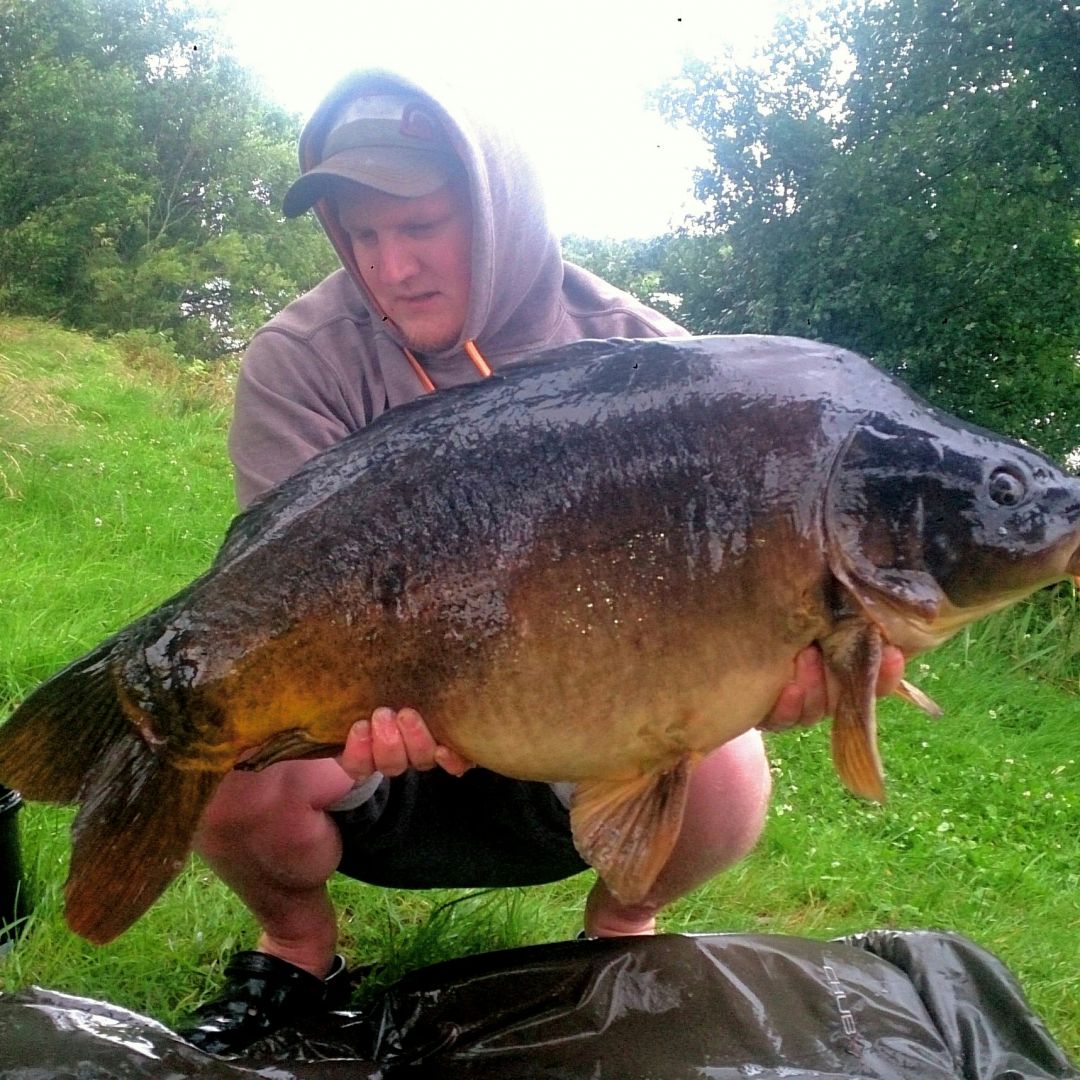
(414,256)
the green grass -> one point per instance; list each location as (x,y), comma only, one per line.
(115,491)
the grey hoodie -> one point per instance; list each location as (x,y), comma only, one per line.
(324,366)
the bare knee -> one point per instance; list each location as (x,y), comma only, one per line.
(725,814)
(729,798)
(282,804)
(267,831)
(240,800)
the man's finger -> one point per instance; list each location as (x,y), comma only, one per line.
(811,675)
(418,741)
(451,761)
(787,711)
(804,700)
(388,747)
(356,759)
(891,671)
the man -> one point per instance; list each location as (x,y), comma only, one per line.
(450,271)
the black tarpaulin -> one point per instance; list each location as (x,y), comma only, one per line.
(884,1005)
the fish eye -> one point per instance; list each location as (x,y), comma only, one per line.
(1006,488)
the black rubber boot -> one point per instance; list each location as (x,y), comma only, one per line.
(14,901)
(263,994)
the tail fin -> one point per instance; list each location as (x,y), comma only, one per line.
(71,742)
(131,837)
(56,737)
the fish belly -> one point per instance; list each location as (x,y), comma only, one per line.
(567,698)
(584,726)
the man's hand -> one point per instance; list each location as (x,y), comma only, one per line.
(813,693)
(392,742)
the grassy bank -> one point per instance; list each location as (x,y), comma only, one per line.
(115,491)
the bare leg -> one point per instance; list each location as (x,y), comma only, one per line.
(725,813)
(268,837)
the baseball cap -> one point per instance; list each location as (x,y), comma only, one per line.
(391,142)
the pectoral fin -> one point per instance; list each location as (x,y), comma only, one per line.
(853,654)
(914,696)
(625,829)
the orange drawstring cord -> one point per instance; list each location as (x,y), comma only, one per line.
(421,374)
(473,354)
(471,351)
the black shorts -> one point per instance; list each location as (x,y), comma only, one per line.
(430,830)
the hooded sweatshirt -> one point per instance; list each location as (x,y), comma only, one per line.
(330,362)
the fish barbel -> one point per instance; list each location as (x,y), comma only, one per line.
(595,566)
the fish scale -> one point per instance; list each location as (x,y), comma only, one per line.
(595,566)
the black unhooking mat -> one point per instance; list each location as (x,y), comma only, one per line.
(884,1005)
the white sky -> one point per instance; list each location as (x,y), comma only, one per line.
(573,75)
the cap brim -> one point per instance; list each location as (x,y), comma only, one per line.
(406,173)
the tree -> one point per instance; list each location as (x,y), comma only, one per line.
(635,266)
(904,178)
(141,175)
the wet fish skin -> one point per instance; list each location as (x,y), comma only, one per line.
(596,566)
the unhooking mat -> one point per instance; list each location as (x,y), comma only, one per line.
(884,1005)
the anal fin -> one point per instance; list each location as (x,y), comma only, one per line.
(920,699)
(626,829)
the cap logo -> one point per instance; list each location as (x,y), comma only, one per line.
(418,124)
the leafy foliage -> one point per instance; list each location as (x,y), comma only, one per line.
(636,266)
(902,178)
(140,175)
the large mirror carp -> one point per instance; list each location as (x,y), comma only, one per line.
(594,567)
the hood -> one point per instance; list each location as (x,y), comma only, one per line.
(517,267)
